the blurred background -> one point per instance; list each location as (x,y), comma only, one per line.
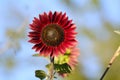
(96,21)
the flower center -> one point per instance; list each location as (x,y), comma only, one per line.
(52,35)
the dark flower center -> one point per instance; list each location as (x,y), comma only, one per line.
(52,35)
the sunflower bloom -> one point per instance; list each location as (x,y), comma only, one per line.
(52,33)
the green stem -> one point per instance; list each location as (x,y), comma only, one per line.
(52,68)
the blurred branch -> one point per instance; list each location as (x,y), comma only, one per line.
(14,38)
(118,32)
(117,53)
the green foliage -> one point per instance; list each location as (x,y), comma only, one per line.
(62,68)
(40,74)
(61,59)
(48,66)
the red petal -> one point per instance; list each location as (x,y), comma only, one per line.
(69,36)
(69,39)
(63,48)
(63,16)
(56,52)
(70,27)
(67,24)
(36,21)
(47,51)
(35,46)
(60,49)
(35,41)
(71,43)
(33,34)
(70,32)
(43,19)
(66,45)
(42,49)
(54,16)
(58,17)
(46,17)
(50,16)
(38,47)
(64,21)
(35,28)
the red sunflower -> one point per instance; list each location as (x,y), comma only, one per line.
(52,33)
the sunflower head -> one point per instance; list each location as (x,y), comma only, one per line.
(52,33)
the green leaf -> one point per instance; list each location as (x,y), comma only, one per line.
(48,66)
(40,74)
(61,59)
(62,68)
(36,55)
